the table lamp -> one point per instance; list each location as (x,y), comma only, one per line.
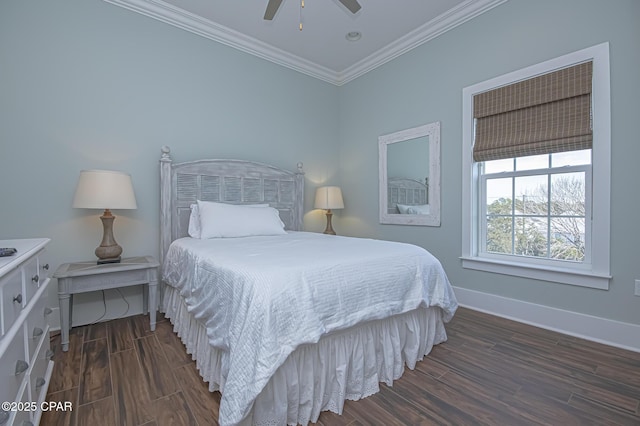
(104,189)
(329,197)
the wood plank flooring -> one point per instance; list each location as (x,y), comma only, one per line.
(491,371)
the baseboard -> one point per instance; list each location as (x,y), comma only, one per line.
(54,322)
(609,332)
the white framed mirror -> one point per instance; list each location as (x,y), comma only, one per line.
(409,176)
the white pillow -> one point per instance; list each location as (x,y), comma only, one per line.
(194,219)
(218,220)
(402,208)
(194,222)
(419,209)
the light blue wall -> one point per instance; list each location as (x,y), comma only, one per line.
(88,85)
(425,85)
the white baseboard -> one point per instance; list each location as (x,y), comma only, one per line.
(54,322)
(609,332)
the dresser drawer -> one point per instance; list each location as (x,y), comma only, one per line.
(13,299)
(13,359)
(43,265)
(38,376)
(36,323)
(23,417)
(15,417)
(32,279)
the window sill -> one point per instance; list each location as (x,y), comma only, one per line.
(537,272)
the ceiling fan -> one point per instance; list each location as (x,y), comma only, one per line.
(273,6)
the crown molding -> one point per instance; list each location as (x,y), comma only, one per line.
(195,24)
(164,12)
(428,31)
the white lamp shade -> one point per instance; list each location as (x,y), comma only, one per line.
(104,189)
(329,197)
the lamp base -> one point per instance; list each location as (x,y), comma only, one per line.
(112,260)
(329,229)
(108,251)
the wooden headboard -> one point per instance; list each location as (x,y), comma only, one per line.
(406,191)
(224,181)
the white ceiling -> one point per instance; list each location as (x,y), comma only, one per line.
(389,28)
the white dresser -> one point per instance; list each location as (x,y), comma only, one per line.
(25,354)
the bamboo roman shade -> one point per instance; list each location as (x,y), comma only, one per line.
(541,115)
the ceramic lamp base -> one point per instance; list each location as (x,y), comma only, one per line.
(329,228)
(109,251)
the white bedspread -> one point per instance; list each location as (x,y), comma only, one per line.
(262,297)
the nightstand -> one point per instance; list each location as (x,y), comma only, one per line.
(81,277)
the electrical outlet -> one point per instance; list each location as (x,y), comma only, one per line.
(637,292)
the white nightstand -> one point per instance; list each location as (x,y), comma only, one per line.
(82,277)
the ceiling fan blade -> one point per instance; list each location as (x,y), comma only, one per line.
(272,8)
(352,5)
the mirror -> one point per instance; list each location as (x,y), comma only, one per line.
(409,176)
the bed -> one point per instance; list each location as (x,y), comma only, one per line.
(281,331)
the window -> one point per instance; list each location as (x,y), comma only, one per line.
(536,172)
(534,207)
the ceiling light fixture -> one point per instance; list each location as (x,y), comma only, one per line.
(301,7)
(353,35)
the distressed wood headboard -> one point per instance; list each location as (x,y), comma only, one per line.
(406,191)
(224,181)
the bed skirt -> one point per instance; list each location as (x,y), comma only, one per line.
(319,377)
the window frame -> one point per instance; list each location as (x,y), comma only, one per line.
(594,274)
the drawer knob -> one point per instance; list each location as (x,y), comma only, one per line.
(37,332)
(40,381)
(21,367)
(18,298)
(47,311)
(35,278)
(45,266)
(49,354)
(4,416)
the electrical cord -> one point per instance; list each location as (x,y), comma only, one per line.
(104,303)
(125,301)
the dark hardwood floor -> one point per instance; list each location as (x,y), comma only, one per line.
(491,371)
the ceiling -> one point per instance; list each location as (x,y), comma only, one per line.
(321,49)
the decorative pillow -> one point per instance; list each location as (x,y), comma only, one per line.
(194,219)
(419,209)
(218,220)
